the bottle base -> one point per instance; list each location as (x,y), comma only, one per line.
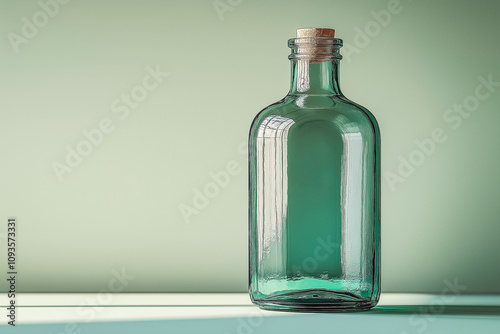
(315,300)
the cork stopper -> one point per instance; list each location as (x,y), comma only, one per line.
(315,45)
(315,32)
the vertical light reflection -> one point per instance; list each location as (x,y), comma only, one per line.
(272,188)
(351,203)
(303,81)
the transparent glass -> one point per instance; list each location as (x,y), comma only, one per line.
(314,192)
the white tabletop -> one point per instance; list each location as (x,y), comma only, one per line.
(234,313)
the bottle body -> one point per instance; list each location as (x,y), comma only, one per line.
(314,204)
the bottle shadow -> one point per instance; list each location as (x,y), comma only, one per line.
(487,310)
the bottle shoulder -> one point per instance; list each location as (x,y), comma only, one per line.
(369,116)
(303,109)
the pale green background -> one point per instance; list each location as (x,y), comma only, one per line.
(120,207)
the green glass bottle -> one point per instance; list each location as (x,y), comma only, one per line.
(314,191)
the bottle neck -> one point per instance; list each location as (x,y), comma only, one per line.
(311,77)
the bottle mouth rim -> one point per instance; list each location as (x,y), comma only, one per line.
(315,41)
(315,49)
